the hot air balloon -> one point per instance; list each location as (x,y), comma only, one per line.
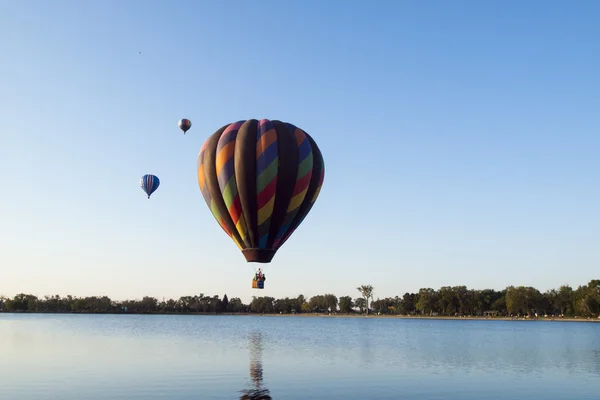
(260,179)
(149,184)
(184,125)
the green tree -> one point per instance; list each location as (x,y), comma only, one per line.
(523,300)
(361,303)
(346,304)
(448,300)
(366,292)
(235,305)
(225,303)
(588,298)
(331,301)
(428,299)
(562,300)
(301,305)
(408,304)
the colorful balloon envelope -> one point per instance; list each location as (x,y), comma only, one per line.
(149,184)
(260,179)
(184,125)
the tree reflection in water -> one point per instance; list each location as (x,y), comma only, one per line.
(256,392)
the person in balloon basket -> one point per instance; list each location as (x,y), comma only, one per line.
(259,276)
(258,280)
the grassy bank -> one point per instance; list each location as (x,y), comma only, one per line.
(325,315)
(337,315)
(328,315)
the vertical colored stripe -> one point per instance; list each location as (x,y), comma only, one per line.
(206,193)
(149,183)
(316,182)
(207,161)
(321,179)
(225,168)
(305,165)
(267,158)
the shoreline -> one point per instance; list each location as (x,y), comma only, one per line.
(337,315)
(424,317)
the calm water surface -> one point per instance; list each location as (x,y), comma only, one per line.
(93,357)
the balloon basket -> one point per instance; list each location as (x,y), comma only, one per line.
(258,284)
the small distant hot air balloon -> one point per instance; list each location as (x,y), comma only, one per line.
(184,125)
(260,179)
(149,184)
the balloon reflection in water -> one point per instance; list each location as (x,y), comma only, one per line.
(257,391)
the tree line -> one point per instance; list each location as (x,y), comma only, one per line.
(584,301)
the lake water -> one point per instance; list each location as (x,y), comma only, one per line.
(118,357)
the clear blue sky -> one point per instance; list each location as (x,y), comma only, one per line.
(461,143)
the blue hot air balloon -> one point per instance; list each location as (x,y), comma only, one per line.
(149,184)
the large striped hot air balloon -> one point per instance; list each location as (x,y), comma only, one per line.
(149,184)
(260,179)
